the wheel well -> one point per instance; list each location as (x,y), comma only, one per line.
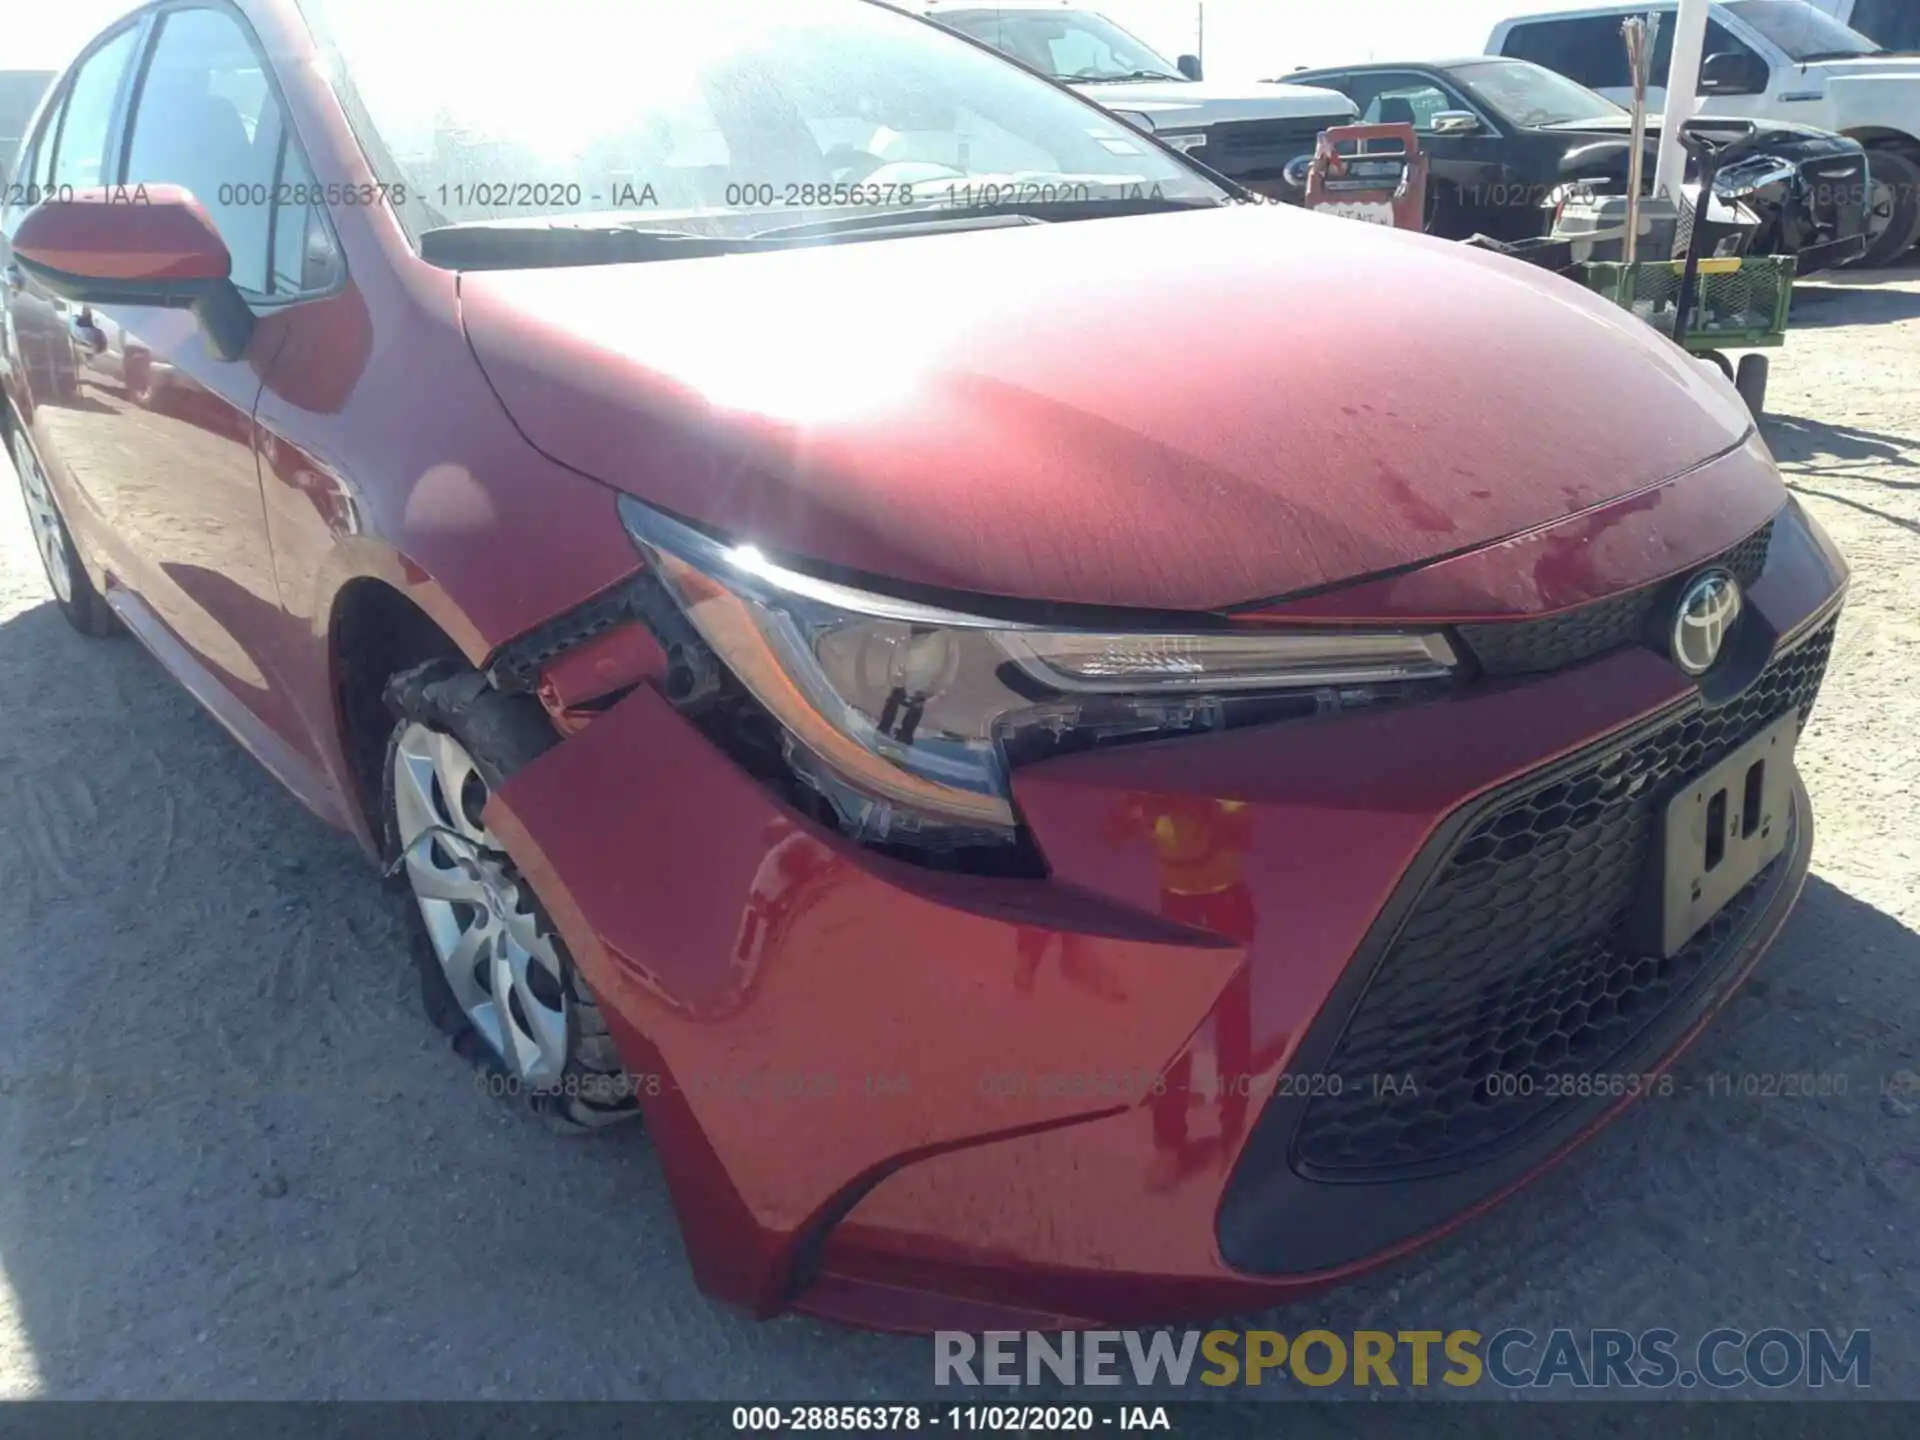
(1877,139)
(376,633)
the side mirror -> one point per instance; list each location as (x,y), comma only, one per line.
(1454,122)
(1733,73)
(1189,66)
(137,245)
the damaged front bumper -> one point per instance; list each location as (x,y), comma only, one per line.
(912,1099)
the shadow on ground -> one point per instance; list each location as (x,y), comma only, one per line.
(1847,297)
(235,1163)
(1847,456)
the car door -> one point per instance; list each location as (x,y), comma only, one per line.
(1720,40)
(29,329)
(1589,48)
(1468,178)
(173,443)
(71,152)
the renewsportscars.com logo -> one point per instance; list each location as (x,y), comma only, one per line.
(1594,1359)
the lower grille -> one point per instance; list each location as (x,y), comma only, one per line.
(1515,964)
(1534,647)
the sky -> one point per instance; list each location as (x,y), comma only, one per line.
(1246,39)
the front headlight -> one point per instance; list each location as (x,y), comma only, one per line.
(1751,176)
(903,714)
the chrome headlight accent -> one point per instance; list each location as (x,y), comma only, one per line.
(913,705)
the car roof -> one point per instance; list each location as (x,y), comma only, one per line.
(963,7)
(1574,12)
(1369,66)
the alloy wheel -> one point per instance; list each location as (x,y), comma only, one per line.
(49,530)
(499,962)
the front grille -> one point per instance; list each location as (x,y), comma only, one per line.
(1515,964)
(1250,137)
(1835,191)
(1534,647)
(1256,153)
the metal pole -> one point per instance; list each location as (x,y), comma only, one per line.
(1200,47)
(1639,33)
(1683,84)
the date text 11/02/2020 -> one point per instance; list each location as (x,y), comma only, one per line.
(560,195)
(1015,1419)
(1119,1086)
(1897,1089)
(782,195)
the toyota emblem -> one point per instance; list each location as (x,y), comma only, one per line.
(1708,612)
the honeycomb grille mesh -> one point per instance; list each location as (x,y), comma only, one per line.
(1513,963)
(1534,647)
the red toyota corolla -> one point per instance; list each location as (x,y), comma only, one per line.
(1081,750)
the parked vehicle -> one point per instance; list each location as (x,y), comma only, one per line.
(726,578)
(1504,136)
(1249,133)
(20,92)
(1764,60)
(1894,24)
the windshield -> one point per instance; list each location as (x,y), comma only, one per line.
(1529,94)
(729,118)
(1066,44)
(1802,31)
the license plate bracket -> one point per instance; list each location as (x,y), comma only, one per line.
(1722,829)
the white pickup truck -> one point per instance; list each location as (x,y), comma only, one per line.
(1892,23)
(1249,133)
(1764,60)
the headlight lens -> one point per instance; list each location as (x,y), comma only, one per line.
(902,713)
(1753,175)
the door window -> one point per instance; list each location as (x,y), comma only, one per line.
(207,119)
(80,148)
(1592,50)
(29,184)
(1893,23)
(1401,99)
(1720,41)
(1589,49)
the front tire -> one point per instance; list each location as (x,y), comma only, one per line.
(1893,199)
(73,589)
(495,976)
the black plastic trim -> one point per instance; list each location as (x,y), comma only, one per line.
(1273,1222)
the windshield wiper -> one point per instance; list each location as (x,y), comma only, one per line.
(522,244)
(1117,79)
(900,222)
(1014,211)
(536,244)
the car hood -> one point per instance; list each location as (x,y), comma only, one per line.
(1177,104)
(1183,411)
(1777,133)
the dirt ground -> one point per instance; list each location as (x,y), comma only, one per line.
(235,1163)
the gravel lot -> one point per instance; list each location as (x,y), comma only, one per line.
(234,1163)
